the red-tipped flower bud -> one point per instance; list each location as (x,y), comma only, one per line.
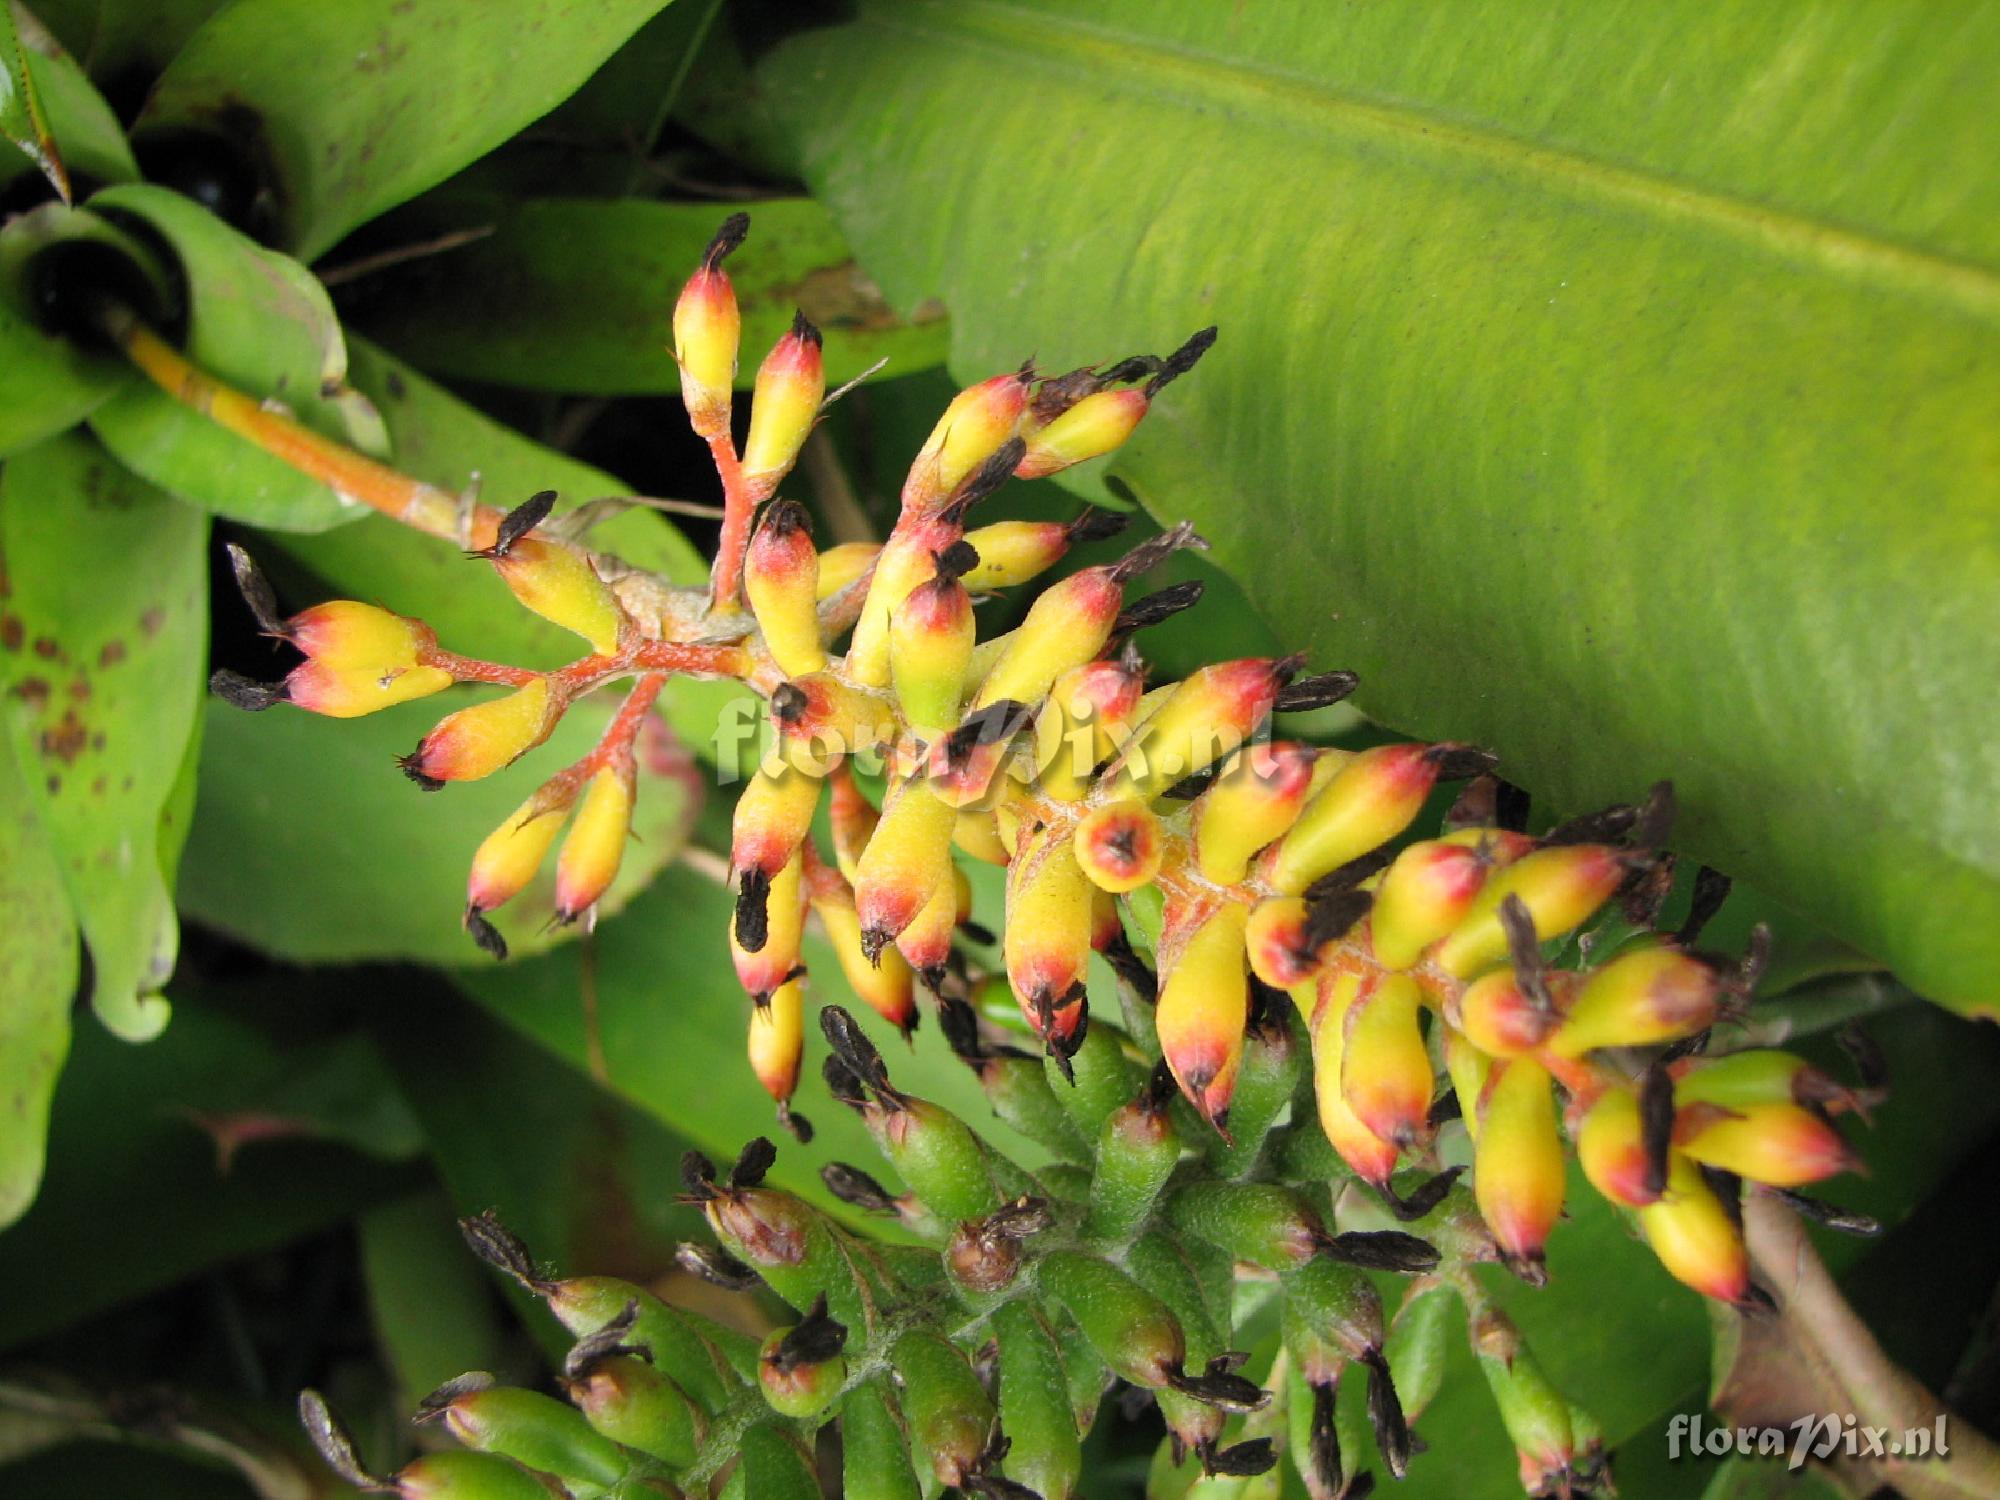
(707,329)
(1370,801)
(347,634)
(1425,894)
(765,932)
(1385,1071)
(1654,994)
(513,852)
(1695,1236)
(1204,1003)
(1518,1169)
(790,384)
(1256,799)
(777,1040)
(557,582)
(978,421)
(349,692)
(596,843)
(478,741)
(1560,887)
(1205,718)
(931,635)
(781,578)
(1119,846)
(1093,427)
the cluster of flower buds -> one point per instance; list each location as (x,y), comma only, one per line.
(1256,898)
(975,1360)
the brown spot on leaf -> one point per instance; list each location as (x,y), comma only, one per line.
(79,689)
(112,653)
(151,621)
(46,647)
(12,632)
(54,785)
(99,786)
(66,740)
(33,691)
(840,297)
(97,740)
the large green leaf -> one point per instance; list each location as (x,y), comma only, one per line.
(101,648)
(350,109)
(47,382)
(312,846)
(22,119)
(1612,385)
(138,1193)
(573,294)
(118,43)
(38,971)
(62,103)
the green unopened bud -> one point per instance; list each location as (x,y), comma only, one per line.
(1273,1059)
(1101,1079)
(1046,1452)
(1136,1153)
(632,1403)
(1260,1222)
(458,1474)
(788,1242)
(875,1450)
(950,1415)
(1533,1411)
(801,1368)
(528,1427)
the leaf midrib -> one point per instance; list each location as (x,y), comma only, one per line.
(1113,58)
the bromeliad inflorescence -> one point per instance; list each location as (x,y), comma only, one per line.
(1263,874)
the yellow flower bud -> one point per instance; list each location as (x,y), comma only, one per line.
(557,582)
(1204,1002)
(1205,718)
(777,1040)
(1256,799)
(1561,887)
(478,741)
(1371,800)
(512,853)
(930,649)
(1047,936)
(1695,1237)
(350,692)
(1611,1148)
(1119,846)
(1093,427)
(1780,1144)
(907,858)
(1518,1172)
(707,329)
(1654,994)
(784,407)
(1372,1158)
(346,634)
(978,421)
(781,578)
(765,932)
(596,843)
(885,984)
(1385,1074)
